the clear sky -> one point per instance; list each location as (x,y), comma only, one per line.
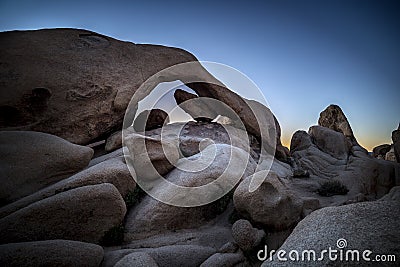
(303,55)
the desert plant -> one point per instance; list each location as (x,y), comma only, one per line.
(114,236)
(133,197)
(331,188)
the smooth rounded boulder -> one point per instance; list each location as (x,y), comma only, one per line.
(363,226)
(113,171)
(51,253)
(83,214)
(272,204)
(31,161)
(245,235)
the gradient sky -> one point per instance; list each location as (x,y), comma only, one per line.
(303,55)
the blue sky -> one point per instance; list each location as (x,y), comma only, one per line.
(303,55)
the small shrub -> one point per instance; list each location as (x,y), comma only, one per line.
(114,236)
(331,188)
(299,173)
(223,202)
(133,197)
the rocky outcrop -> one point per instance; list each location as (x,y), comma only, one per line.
(150,119)
(51,253)
(360,173)
(380,151)
(363,226)
(76,80)
(396,143)
(390,155)
(83,214)
(335,155)
(31,161)
(333,118)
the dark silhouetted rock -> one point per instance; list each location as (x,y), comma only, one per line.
(197,108)
(150,119)
(380,151)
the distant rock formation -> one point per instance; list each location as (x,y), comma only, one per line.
(389,152)
(396,143)
(333,118)
(380,151)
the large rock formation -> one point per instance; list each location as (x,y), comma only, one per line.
(77,82)
(84,83)
(333,118)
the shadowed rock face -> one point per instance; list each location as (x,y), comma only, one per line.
(83,85)
(333,118)
(150,119)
